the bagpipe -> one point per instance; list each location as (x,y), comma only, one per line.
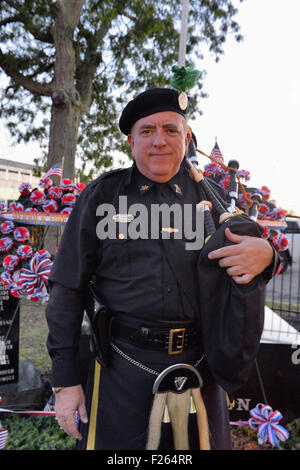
(231,314)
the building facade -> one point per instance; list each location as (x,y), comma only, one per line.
(12,175)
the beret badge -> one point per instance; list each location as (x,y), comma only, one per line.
(183,100)
(183,79)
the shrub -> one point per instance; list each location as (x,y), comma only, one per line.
(36,433)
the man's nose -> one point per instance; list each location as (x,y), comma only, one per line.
(159,138)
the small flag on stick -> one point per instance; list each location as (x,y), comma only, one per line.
(217,154)
(56,169)
(3,437)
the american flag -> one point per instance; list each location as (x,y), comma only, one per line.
(216,153)
(56,169)
(3,437)
(50,408)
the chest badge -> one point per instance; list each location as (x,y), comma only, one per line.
(170,230)
(123,218)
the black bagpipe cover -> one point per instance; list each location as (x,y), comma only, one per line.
(232,314)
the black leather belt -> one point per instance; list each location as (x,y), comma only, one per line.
(173,341)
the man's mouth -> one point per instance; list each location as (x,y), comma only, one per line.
(159,155)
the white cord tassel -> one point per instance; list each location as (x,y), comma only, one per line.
(201,419)
(156,416)
(178,404)
(179,408)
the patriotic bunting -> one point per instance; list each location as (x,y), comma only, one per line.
(26,272)
(265,421)
(7,227)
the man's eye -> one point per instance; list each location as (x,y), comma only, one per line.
(145,132)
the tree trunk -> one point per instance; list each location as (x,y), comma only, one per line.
(66,109)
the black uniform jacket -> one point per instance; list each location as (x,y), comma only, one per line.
(147,279)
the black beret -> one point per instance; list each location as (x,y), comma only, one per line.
(149,102)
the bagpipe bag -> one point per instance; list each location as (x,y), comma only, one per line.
(232,315)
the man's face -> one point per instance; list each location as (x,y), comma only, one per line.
(159,143)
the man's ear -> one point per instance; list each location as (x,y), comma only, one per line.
(188,137)
(130,141)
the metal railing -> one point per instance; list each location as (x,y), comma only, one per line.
(283,295)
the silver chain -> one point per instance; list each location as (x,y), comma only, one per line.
(133,361)
(142,366)
(199,360)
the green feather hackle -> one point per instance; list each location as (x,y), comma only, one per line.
(184,78)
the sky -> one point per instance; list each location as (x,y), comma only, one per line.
(254,99)
(253,106)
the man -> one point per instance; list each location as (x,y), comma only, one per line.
(141,282)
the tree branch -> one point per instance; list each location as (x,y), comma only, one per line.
(43,89)
(23,16)
(11,19)
(38,34)
(85,72)
(130,17)
(13,4)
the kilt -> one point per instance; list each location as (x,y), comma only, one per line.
(119,399)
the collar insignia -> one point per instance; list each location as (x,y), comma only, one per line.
(177,189)
(144,188)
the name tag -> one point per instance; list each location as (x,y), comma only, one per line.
(123,218)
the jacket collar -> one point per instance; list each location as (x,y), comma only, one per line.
(177,183)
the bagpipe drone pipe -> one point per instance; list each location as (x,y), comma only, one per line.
(232,315)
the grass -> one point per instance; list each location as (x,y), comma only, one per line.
(33,335)
(34,432)
(286,307)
